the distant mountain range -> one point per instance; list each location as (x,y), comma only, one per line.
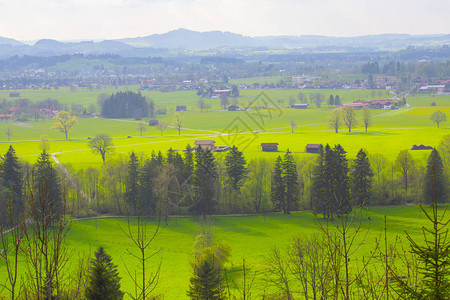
(183,39)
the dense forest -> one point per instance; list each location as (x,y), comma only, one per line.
(125,105)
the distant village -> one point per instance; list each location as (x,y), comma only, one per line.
(210,87)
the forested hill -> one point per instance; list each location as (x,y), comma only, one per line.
(183,39)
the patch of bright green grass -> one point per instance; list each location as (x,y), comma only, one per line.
(250,237)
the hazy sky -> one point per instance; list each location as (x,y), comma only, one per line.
(110,19)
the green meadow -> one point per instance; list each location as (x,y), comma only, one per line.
(250,237)
(389,132)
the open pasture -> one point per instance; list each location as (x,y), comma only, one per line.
(250,237)
(389,132)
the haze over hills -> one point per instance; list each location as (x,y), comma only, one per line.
(194,40)
(183,39)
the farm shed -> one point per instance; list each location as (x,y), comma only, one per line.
(206,144)
(233,107)
(313,148)
(421,147)
(382,104)
(357,104)
(300,106)
(269,147)
(14,94)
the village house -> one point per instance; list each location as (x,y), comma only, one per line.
(435,88)
(206,145)
(5,117)
(357,104)
(313,148)
(48,113)
(269,147)
(220,93)
(15,111)
(382,104)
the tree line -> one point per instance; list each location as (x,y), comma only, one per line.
(197,181)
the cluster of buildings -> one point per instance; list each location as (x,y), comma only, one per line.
(265,147)
(373,104)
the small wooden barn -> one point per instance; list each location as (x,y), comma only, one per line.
(300,106)
(269,147)
(233,107)
(313,148)
(206,144)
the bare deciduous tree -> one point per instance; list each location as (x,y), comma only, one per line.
(142,127)
(293,125)
(348,115)
(11,240)
(366,117)
(142,236)
(45,249)
(178,122)
(277,273)
(162,126)
(9,133)
(101,144)
(335,120)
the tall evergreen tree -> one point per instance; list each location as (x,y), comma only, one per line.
(11,182)
(317,199)
(47,182)
(132,185)
(235,167)
(341,181)
(205,179)
(361,179)
(188,167)
(277,192)
(160,159)
(434,160)
(170,156)
(329,203)
(149,172)
(206,282)
(178,163)
(330,187)
(290,179)
(331,100)
(103,279)
(337,100)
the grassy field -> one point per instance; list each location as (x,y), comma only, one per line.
(390,131)
(250,237)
